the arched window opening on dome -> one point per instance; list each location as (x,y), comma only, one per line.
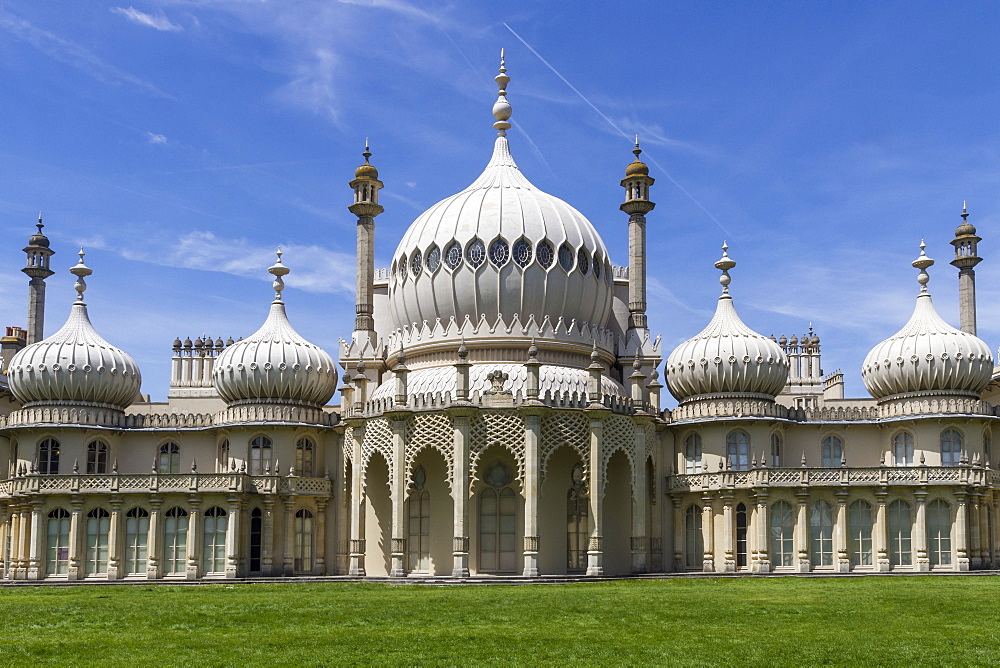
(416,264)
(169,458)
(833,451)
(303,559)
(742,525)
(544,254)
(566,258)
(577,521)
(260,456)
(694,550)
(900,534)
(939,533)
(175,529)
(497,521)
(597,267)
(583,261)
(418,541)
(96,554)
(304,454)
(97,457)
(821,534)
(401,265)
(499,252)
(859,528)
(433,258)
(692,454)
(521,252)
(57,547)
(775,450)
(738,450)
(223,461)
(782,520)
(136,537)
(902,449)
(951,447)
(256,534)
(48,456)
(453,256)
(475,253)
(213,558)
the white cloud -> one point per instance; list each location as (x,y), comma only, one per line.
(154,138)
(159,22)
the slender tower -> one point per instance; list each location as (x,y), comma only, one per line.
(636,183)
(366,186)
(37,268)
(966,258)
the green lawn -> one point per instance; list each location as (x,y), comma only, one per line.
(734,621)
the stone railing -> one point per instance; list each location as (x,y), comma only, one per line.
(439,401)
(834,477)
(119,420)
(163,483)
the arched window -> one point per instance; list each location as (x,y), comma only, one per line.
(169,460)
(987,441)
(303,541)
(497,521)
(260,455)
(859,527)
(565,257)
(175,529)
(256,533)
(821,534)
(902,449)
(57,547)
(939,533)
(577,518)
(900,534)
(48,456)
(583,261)
(738,450)
(223,455)
(694,546)
(97,457)
(499,252)
(304,457)
(775,450)
(433,258)
(419,525)
(544,254)
(98,526)
(136,535)
(453,256)
(475,253)
(741,535)
(833,451)
(692,454)
(214,546)
(951,447)
(782,521)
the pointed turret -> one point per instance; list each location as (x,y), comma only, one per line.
(37,268)
(966,258)
(366,186)
(637,204)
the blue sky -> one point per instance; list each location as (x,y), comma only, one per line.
(180,141)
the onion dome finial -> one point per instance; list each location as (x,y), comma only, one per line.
(278,270)
(501,108)
(922,263)
(724,264)
(81,271)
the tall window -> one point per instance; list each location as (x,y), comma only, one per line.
(692,454)
(169,458)
(213,558)
(497,519)
(951,447)
(419,525)
(260,455)
(98,525)
(303,541)
(223,464)
(738,450)
(986,448)
(97,457)
(57,547)
(821,533)
(256,534)
(136,535)
(741,535)
(833,451)
(782,530)
(902,449)
(175,529)
(694,546)
(939,532)
(900,534)
(304,458)
(577,518)
(775,450)
(48,456)
(859,527)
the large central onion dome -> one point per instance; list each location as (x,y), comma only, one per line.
(727,359)
(500,247)
(275,365)
(74,366)
(927,357)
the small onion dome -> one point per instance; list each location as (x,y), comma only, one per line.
(275,364)
(727,357)
(74,366)
(367,170)
(38,238)
(638,167)
(927,356)
(966,228)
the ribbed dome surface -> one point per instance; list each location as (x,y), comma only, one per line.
(726,357)
(501,246)
(927,356)
(74,366)
(275,365)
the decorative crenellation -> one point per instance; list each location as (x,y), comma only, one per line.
(804,360)
(192,363)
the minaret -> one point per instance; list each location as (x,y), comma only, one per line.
(37,268)
(966,258)
(366,186)
(636,183)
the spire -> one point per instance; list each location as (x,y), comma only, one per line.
(36,267)
(922,263)
(966,245)
(81,271)
(724,264)
(501,109)
(278,270)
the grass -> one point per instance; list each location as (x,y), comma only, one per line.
(729,621)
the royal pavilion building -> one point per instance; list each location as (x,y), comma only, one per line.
(499,413)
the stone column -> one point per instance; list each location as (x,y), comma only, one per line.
(843,562)
(975,544)
(881,532)
(920,539)
(288,533)
(4,533)
(15,544)
(75,571)
(595,546)
(961,532)
(678,534)
(233,538)
(357,555)
(153,540)
(319,549)
(115,539)
(708,533)
(398,484)
(532,438)
(763,562)
(194,539)
(802,531)
(266,540)
(639,494)
(36,541)
(728,534)
(460,490)
(984,531)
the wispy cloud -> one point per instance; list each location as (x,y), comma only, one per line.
(154,138)
(157,22)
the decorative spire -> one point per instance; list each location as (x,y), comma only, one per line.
(39,225)
(81,271)
(724,264)
(965,212)
(922,263)
(367,152)
(501,109)
(278,270)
